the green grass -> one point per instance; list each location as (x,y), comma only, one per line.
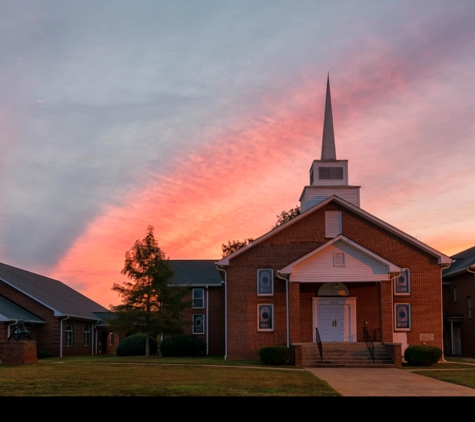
(109,375)
(459,371)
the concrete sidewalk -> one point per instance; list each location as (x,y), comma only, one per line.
(387,382)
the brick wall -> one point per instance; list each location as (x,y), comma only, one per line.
(213,312)
(17,352)
(374,301)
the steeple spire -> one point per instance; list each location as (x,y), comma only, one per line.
(328,139)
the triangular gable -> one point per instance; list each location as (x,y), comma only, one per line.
(327,264)
(442,259)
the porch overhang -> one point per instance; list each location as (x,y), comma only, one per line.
(357,264)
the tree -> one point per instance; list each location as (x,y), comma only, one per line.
(149,303)
(234,245)
(285,216)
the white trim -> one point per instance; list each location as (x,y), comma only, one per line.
(193,298)
(271,305)
(408,282)
(442,259)
(203,321)
(392,268)
(396,329)
(271,281)
(346,301)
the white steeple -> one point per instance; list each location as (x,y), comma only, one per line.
(328,176)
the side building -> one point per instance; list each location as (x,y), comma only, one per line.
(62,321)
(459,299)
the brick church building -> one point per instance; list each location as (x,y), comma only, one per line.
(334,273)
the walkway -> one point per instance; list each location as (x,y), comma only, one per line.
(387,382)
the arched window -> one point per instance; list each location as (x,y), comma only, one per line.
(87,335)
(68,340)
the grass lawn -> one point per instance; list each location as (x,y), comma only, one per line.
(454,370)
(109,375)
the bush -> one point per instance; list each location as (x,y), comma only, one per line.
(42,354)
(422,355)
(134,345)
(183,345)
(274,355)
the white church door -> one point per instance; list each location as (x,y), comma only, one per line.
(335,319)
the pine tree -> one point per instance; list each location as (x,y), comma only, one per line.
(149,302)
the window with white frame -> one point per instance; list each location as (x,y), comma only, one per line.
(265,282)
(111,338)
(402,313)
(265,317)
(68,330)
(198,324)
(469,307)
(87,335)
(402,283)
(198,298)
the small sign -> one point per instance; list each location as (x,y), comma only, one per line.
(426,337)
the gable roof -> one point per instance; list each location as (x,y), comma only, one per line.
(391,268)
(195,272)
(463,261)
(53,294)
(442,259)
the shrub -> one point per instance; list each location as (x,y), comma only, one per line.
(134,345)
(422,355)
(183,345)
(274,355)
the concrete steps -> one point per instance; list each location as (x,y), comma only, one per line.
(346,354)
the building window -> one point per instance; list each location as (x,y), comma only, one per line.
(198,296)
(332,223)
(68,339)
(330,173)
(455,293)
(402,313)
(338,259)
(87,335)
(265,317)
(402,283)
(111,338)
(265,282)
(198,324)
(469,307)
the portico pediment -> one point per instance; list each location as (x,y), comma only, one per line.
(340,260)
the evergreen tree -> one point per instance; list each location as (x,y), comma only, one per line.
(149,302)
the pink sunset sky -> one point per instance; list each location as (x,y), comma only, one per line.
(203,122)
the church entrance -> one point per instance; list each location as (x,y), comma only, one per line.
(335,318)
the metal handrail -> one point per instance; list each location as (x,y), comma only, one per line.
(369,342)
(319,343)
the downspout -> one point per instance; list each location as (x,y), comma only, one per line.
(61,336)
(8,330)
(443,267)
(287,310)
(225,311)
(207,321)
